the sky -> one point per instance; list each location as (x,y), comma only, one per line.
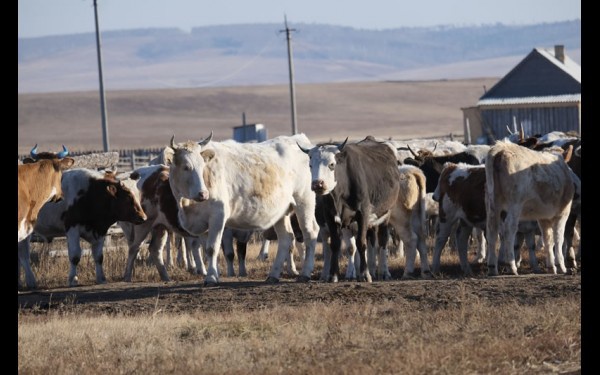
(59,17)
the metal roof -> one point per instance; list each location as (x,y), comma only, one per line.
(539,74)
(569,66)
(567,98)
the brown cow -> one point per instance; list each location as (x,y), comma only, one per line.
(38,183)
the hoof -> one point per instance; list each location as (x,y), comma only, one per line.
(407,276)
(211,281)
(303,279)
(74,282)
(427,275)
(571,271)
(272,280)
(333,279)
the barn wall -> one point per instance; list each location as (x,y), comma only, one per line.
(535,120)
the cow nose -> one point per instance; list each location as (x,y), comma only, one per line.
(202,196)
(317,185)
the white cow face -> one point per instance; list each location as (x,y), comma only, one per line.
(322,168)
(186,173)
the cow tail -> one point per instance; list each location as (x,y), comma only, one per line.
(420,177)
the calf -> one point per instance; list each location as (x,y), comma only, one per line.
(38,182)
(93,201)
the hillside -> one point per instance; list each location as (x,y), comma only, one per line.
(256,54)
(148,118)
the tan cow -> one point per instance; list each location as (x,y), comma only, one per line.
(38,183)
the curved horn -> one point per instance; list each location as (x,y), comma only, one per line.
(172,143)
(341,147)
(305,150)
(33,152)
(522,133)
(509,131)
(205,141)
(63,153)
(411,151)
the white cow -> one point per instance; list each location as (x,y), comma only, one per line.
(522,184)
(245,186)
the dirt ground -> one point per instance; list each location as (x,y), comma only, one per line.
(233,293)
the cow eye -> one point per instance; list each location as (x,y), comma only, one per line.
(187,168)
(332,166)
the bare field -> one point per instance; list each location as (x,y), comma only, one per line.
(138,119)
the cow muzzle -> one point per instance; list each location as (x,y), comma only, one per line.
(140,218)
(202,196)
(318,186)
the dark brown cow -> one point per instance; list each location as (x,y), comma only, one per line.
(38,182)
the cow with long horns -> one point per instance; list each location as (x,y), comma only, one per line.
(38,182)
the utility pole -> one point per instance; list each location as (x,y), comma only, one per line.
(102,99)
(291,68)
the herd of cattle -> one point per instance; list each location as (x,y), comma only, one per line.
(360,196)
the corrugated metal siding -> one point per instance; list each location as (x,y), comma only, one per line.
(535,120)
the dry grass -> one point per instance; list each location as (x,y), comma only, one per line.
(471,336)
(317,338)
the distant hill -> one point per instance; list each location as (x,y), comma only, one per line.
(256,54)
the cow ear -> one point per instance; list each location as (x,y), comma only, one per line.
(28,160)
(167,155)
(66,163)
(112,190)
(568,153)
(208,155)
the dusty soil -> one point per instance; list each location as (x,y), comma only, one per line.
(233,293)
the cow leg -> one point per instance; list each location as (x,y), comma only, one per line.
(353,260)
(442,233)
(289,260)
(241,254)
(264,250)
(97,254)
(228,252)
(159,239)
(372,252)
(216,226)
(24,260)
(462,240)
(559,232)
(423,254)
(519,239)
(310,232)
(510,227)
(193,246)
(492,227)
(170,246)
(324,233)
(410,239)
(138,234)
(284,241)
(568,250)
(74,250)
(531,245)
(383,236)
(481,245)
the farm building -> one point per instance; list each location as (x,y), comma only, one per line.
(542,93)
